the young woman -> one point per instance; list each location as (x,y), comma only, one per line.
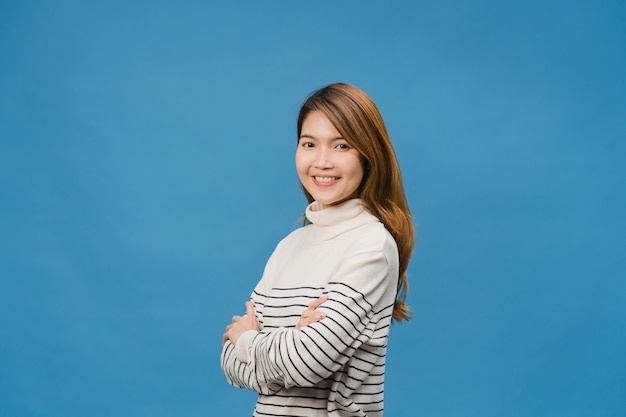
(314,337)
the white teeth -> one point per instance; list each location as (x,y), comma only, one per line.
(325,179)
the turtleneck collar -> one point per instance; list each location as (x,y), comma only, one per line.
(332,221)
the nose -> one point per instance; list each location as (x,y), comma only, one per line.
(322,159)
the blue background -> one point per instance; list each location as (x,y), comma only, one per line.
(146,173)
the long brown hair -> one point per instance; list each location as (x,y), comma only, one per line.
(358,120)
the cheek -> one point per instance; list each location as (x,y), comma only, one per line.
(357,170)
(301,163)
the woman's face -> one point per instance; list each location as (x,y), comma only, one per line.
(328,167)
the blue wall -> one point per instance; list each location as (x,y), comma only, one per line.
(146,172)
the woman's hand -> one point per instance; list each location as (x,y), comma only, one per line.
(241,324)
(310,315)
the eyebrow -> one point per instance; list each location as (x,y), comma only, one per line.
(305,136)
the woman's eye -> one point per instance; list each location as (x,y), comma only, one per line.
(343,146)
(306,144)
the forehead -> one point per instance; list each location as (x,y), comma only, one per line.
(317,125)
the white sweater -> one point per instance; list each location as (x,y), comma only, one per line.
(334,367)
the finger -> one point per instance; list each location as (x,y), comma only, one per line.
(249,308)
(315,304)
(309,319)
(313,317)
(318,316)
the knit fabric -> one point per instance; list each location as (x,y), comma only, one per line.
(334,367)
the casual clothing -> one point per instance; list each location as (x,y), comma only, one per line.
(334,367)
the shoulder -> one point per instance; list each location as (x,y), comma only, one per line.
(374,237)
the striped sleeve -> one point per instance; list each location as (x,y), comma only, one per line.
(242,375)
(358,296)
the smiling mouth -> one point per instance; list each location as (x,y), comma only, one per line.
(325,180)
